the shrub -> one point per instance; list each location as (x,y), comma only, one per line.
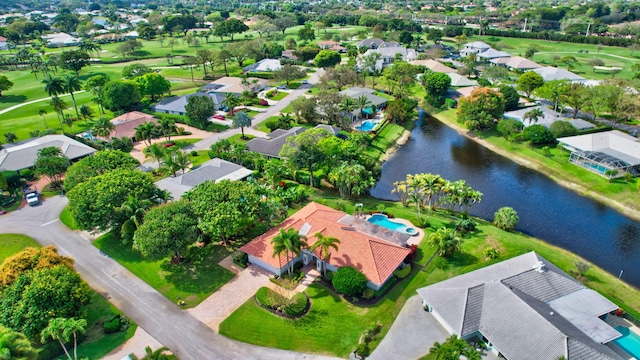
(194,153)
(484,82)
(27,174)
(491,253)
(13,179)
(363,350)
(329,274)
(468,225)
(450,103)
(34,133)
(403,273)
(263,102)
(508,127)
(562,129)
(271,300)
(113,325)
(240,258)
(349,281)
(297,305)
(368,293)
(506,218)
(538,134)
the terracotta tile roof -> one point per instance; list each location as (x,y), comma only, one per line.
(126,123)
(376,258)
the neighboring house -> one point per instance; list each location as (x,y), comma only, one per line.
(327,44)
(377,102)
(389,44)
(549,73)
(375,251)
(434,66)
(213,170)
(3,43)
(458,80)
(60,40)
(459,93)
(132,35)
(492,54)
(272,145)
(371,43)
(524,308)
(609,150)
(389,54)
(126,124)
(548,117)
(475,47)
(109,38)
(264,65)
(233,85)
(338,48)
(23,155)
(176,104)
(288,55)
(516,63)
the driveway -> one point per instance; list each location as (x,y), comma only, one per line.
(185,335)
(412,334)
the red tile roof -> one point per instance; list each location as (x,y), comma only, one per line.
(126,124)
(376,258)
(3,39)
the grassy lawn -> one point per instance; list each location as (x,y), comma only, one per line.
(386,138)
(279,96)
(197,277)
(202,157)
(66,217)
(557,166)
(333,326)
(96,344)
(263,127)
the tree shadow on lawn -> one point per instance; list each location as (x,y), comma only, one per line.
(199,271)
(12,99)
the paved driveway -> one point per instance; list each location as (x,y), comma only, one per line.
(411,335)
(185,335)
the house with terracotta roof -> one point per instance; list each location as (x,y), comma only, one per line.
(3,43)
(327,44)
(433,65)
(374,250)
(125,125)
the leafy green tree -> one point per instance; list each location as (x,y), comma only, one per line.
(324,243)
(349,281)
(74,60)
(31,259)
(307,33)
(37,296)
(15,346)
(327,59)
(153,84)
(289,73)
(446,241)
(3,182)
(5,84)
(569,61)
(128,47)
(553,91)
(481,109)
(576,96)
(132,71)
(167,230)
(306,53)
(53,85)
(562,129)
(303,152)
(538,134)
(529,81)
(369,65)
(401,110)
(121,95)
(290,242)
(305,109)
(511,97)
(351,179)
(506,218)
(100,163)
(230,27)
(405,37)
(51,163)
(435,35)
(241,120)
(94,201)
(72,84)
(453,349)
(436,84)
(199,110)
(508,127)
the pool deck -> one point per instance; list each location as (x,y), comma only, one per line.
(614,321)
(413,240)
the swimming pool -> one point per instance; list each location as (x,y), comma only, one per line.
(366,125)
(629,342)
(598,168)
(383,220)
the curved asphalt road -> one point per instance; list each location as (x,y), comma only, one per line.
(186,336)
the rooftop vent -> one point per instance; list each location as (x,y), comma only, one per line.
(540,267)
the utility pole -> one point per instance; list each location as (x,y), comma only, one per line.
(524,28)
(588,28)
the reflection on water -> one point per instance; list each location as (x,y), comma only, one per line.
(547,210)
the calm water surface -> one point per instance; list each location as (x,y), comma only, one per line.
(547,210)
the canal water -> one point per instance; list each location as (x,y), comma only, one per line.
(547,210)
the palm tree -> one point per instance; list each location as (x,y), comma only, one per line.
(14,345)
(56,330)
(159,354)
(53,86)
(102,128)
(72,83)
(43,112)
(167,127)
(246,96)
(73,327)
(445,241)
(176,160)
(324,243)
(533,115)
(58,106)
(231,101)
(146,131)
(98,97)
(362,103)
(347,105)
(86,113)
(241,120)
(155,151)
(289,241)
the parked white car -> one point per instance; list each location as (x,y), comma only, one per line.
(33,199)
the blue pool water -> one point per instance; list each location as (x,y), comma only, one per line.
(629,342)
(599,168)
(382,220)
(366,126)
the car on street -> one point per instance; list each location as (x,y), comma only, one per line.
(33,198)
(304,82)
(282,87)
(219,117)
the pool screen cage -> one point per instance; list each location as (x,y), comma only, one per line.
(600,162)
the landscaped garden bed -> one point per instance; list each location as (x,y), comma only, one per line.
(282,304)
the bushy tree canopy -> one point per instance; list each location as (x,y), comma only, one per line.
(100,163)
(436,84)
(481,109)
(153,84)
(511,97)
(349,281)
(538,134)
(121,95)
(529,81)
(506,218)
(31,259)
(199,109)
(327,58)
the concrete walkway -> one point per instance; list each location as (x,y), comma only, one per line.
(411,335)
(136,345)
(34,101)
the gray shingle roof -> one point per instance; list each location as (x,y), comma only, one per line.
(356,92)
(178,103)
(23,154)
(271,147)
(473,313)
(543,288)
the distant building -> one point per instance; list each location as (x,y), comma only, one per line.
(233,85)
(177,104)
(264,65)
(434,66)
(126,124)
(60,40)
(3,43)
(23,155)
(371,43)
(475,47)
(288,55)
(550,73)
(327,44)
(377,102)
(272,144)
(389,55)
(458,80)
(515,63)
(548,118)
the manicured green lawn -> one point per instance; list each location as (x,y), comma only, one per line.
(202,157)
(386,138)
(197,277)
(13,243)
(557,166)
(66,217)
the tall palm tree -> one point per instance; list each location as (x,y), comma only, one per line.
(176,160)
(155,151)
(362,103)
(103,127)
(86,113)
(43,112)
(14,345)
(445,241)
(167,127)
(146,131)
(324,243)
(533,115)
(72,83)
(347,105)
(231,101)
(53,86)
(149,354)
(71,328)
(58,106)
(288,242)
(55,330)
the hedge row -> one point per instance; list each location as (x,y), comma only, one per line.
(270,300)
